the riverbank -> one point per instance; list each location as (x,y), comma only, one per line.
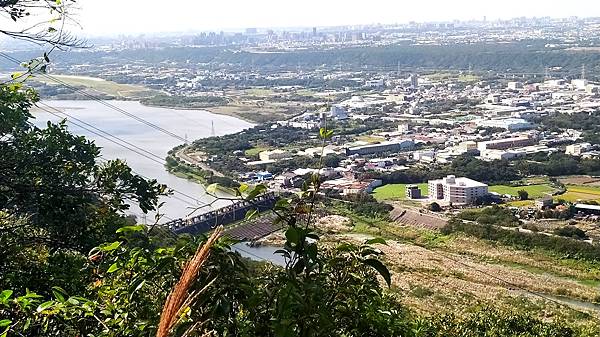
(251,114)
(202,177)
(246,113)
(249,106)
(224,110)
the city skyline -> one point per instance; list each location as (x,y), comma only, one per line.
(98,19)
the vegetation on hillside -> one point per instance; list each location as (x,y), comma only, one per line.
(73,265)
(520,56)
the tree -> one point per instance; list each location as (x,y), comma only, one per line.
(58,201)
(571,232)
(49,30)
(435,207)
(523,195)
(119,287)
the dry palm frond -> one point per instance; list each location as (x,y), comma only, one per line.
(177,299)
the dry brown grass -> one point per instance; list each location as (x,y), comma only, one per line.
(180,296)
(579,180)
(432,274)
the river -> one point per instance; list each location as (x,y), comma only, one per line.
(190,124)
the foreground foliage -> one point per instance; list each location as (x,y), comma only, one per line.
(72,265)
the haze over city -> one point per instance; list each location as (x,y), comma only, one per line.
(155,16)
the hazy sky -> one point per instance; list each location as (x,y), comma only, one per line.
(136,16)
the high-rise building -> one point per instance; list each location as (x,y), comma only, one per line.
(314,32)
(457,190)
(414,81)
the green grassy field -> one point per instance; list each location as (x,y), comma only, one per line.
(520,203)
(535,191)
(256,150)
(259,92)
(100,85)
(578,192)
(396,191)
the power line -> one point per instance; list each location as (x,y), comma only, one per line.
(105,135)
(136,149)
(148,153)
(198,201)
(94,98)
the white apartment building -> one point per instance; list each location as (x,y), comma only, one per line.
(577,149)
(456,190)
(274,155)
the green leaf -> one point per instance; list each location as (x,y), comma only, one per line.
(139,285)
(59,293)
(5,323)
(111,246)
(282,203)
(27,324)
(250,214)
(243,188)
(113,268)
(381,269)
(324,133)
(45,306)
(312,251)
(16,75)
(31,295)
(137,228)
(73,301)
(5,295)
(292,235)
(375,241)
(282,252)
(256,191)
(212,188)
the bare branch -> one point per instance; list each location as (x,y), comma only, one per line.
(43,32)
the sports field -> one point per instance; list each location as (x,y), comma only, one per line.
(396,191)
(534,191)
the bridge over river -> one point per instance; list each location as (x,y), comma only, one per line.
(224,216)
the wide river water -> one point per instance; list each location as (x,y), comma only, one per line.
(190,124)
